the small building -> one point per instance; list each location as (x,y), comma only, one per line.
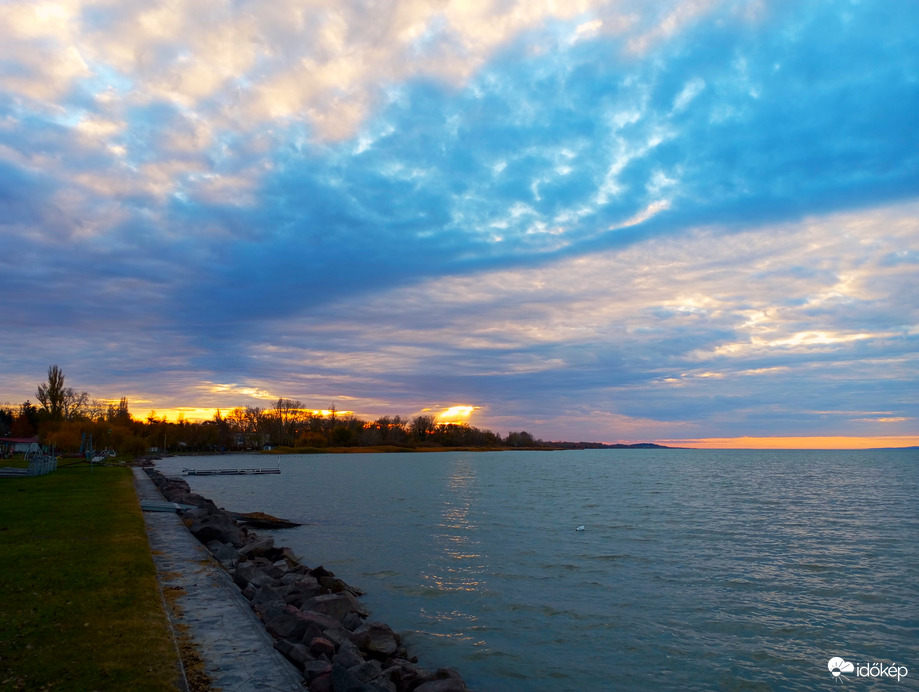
(19,445)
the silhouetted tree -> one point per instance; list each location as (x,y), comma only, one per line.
(519,439)
(422,427)
(119,415)
(287,412)
(60,402)
(6,420)
(51,393)
(25,423)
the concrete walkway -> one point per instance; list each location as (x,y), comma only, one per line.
(238,653)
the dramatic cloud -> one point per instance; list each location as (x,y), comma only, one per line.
(606,220)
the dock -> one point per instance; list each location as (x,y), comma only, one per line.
(230,472)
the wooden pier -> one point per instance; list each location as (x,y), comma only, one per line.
(230,472)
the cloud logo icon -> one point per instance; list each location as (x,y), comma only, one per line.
(839,665)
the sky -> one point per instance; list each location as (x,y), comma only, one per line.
(621,221)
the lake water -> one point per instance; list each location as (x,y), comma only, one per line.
(705,570)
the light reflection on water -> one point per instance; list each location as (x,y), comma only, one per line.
(460,567)
(698,569)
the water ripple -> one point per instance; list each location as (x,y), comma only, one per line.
(697,570)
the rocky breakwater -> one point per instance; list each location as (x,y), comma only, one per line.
(317,621)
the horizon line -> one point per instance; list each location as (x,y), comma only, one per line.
(777,442)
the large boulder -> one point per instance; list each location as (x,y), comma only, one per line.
(321,646)
(224,553)
(352,621)
(260,547)
(299,588)
(268,610)
(404,674)
(217,527)
(296,653)
(367,671)
(248,573)
(321,620)
(267,594)
(287,625)
(316,667)
(278,569)
(322,683)
(346,679)
(348,655)
(444,680)
(376,639)
(336,605)
(445,685)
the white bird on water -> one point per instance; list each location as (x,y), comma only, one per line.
(580,528)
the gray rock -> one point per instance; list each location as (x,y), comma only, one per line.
(343,680)
(297,654)
(376,638)
(217,527)
(409,672)
(312,631)
(278,569)
(348,655)
(225,552)
(316,667)
(324,621)
(336,605)
(249,573)
(322,683)
(287,625)
(444,680)
(320,646)
(352,621)
(336,636)
(260,547)
(266,594)
(289,555)
(301,589)
(270,610)
(293,577)
(321,571)
(446,685)
(367,671)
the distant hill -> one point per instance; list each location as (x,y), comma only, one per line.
(603,445)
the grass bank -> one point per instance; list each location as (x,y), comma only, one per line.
(81,606)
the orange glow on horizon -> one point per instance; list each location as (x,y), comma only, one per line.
(840,442)
(455,414)
(193,414)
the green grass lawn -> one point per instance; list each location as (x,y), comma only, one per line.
(80,608)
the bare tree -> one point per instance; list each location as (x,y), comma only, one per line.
(287,412)
(50,394)
(58,401)
(423,426)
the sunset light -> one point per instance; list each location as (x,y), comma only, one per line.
(797,442)
(455,414)
(669,249)
(194,414)
(686,220)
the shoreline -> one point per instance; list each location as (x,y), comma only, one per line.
(313,618)
(420,449)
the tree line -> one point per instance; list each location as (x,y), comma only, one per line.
(68,420)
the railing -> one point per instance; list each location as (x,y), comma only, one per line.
(42,464)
